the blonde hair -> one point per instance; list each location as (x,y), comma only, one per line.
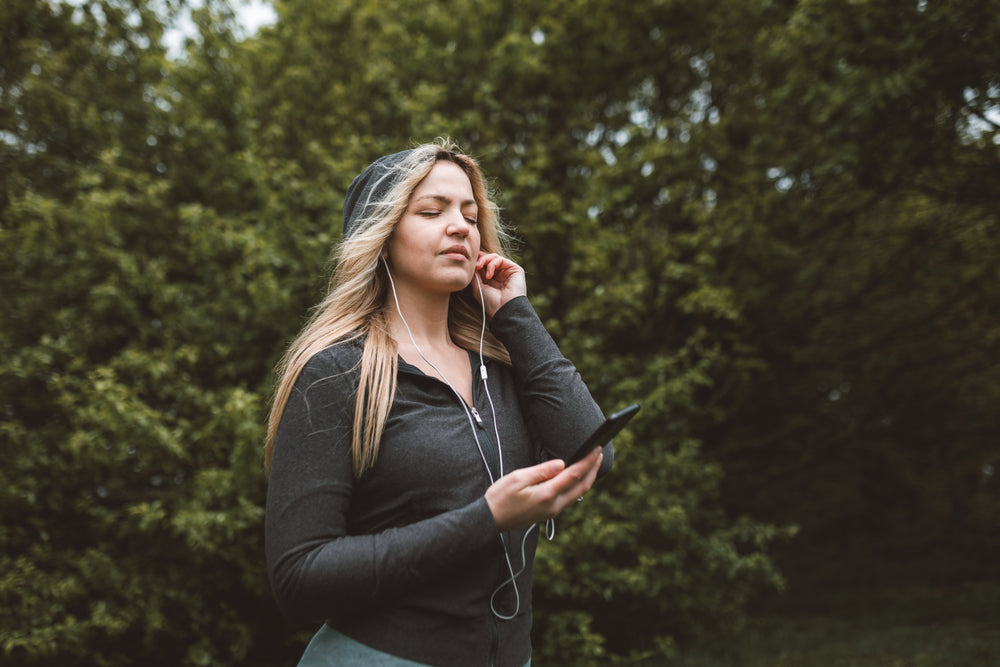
(354,306)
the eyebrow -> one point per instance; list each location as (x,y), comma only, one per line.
(446,200)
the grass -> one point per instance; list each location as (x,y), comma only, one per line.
(912,625)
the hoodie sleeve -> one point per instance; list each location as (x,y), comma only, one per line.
(559,409)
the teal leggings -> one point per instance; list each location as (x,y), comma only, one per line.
(330,648)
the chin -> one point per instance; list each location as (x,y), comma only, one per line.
(459,281)
(446,284)
(458,287)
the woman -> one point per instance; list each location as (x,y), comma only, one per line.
(413,441)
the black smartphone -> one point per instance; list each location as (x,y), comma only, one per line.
(605,432)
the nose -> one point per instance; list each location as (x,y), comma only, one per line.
(457,224)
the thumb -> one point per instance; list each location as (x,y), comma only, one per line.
(543,471)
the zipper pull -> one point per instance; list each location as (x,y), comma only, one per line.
(475,414)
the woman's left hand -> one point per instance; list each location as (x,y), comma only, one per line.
(502,280)
(529,495)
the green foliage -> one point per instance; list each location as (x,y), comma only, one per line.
(870,276)
(772,224)
(137,324)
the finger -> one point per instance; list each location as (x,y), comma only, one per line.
(509,273)
(595,469)
(483,258)
(483,268)
(538,474)
(591,465)
(493,265)
(574,479)
(587,460)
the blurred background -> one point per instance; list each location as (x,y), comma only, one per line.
(773,223)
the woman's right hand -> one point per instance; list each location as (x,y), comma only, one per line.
(500,280)
(530,495)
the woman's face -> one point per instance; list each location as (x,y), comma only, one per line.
(435,244)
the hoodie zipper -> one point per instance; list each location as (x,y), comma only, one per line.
(491,452)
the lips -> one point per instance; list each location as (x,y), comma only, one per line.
(457,250)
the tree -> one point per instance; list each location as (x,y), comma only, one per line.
(854,153)
(130,376)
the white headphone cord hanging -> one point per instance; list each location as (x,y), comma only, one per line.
(549,523)
(482,370)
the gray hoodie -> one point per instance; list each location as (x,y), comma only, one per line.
(407,558)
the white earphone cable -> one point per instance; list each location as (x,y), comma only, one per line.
(482,368)
(550,524)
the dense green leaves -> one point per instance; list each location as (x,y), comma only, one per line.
(871,297)
(773,224)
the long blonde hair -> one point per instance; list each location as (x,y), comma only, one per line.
(354,306)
